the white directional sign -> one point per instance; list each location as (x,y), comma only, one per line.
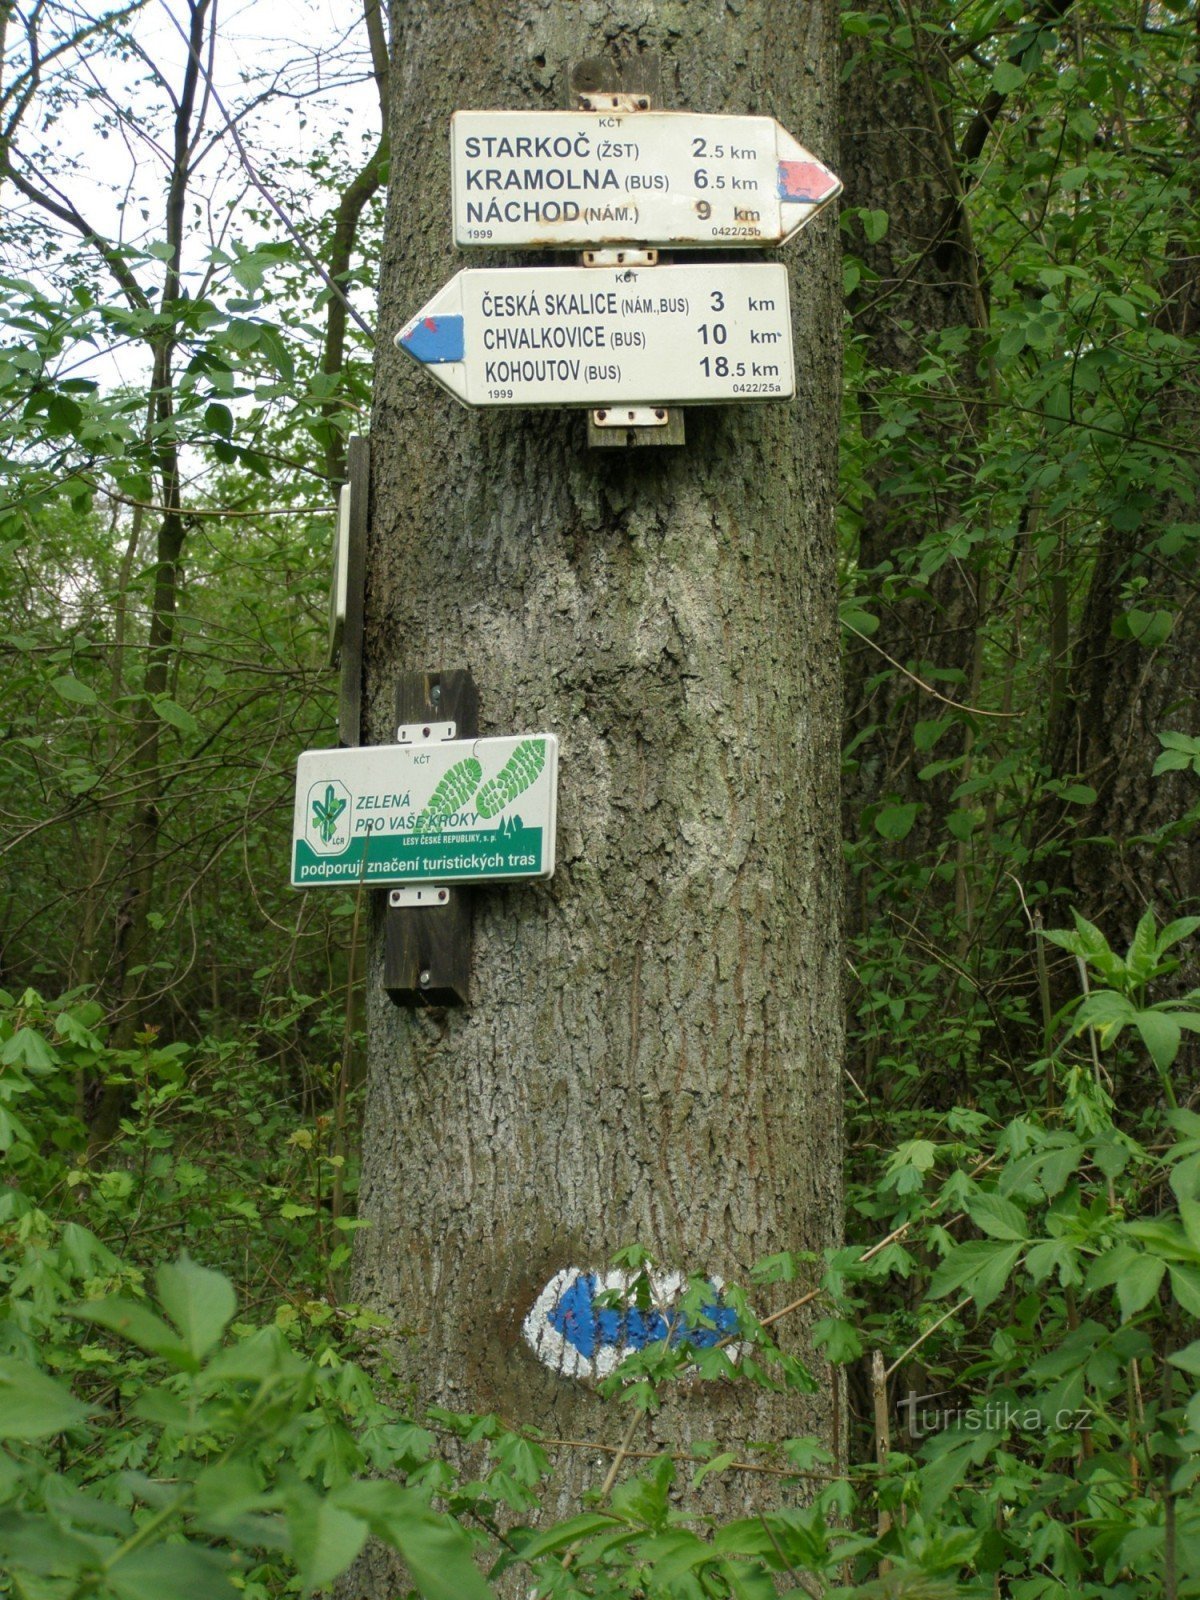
(340,580)
(464,810)
(561,179)
(606,336)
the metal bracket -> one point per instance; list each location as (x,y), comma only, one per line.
(426,732)
(427,926)
(424,894)
(600,101)
(626,86)
(624,257)
(632,417)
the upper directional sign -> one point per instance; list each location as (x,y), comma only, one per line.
(607,336)
(561,179)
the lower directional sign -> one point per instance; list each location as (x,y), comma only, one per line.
(609,336)
(465,810)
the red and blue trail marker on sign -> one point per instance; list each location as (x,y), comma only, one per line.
(562,180)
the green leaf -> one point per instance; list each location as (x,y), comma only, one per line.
(265,1354)
(172,1572)
(161,1408)
(28,1047)
(1139,1282)
(200,1303)
(33,1406)
(1143,950)
(1007,77)
(170,711)
(568,1533)
(1109,1267)
(435,1549)
(1160,1034)
(998,1218)
(219,419)
(982,1267)
(1148,628)
(875,225)
(325,1539)
(1185,1285)
(132,1320)
(1181,928)
(226,1492)
(839,1340)
(927,734)
(672,1554)
(851,615)
(69,688)
(716,1464)
(1188,1359)
(895,822)
(1106,1011)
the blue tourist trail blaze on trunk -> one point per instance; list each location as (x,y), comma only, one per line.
(573,1329)
(586,1325)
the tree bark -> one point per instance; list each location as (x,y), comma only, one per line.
(652,1052)
(130,941)
(1128,854)
(922,281)
(1133,848)
(353,201)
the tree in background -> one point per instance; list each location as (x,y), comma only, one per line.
(170,402)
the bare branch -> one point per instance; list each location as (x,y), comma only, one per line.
(65,211)
(252,173)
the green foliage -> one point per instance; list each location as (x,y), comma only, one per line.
(208,1486)
(161,1445)
(1049,1277)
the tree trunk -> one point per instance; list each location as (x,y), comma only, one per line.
(921,281)
(1133,847)
(652,1051)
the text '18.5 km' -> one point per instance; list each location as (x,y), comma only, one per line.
(579,336)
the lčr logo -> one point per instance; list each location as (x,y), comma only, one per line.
(329,816)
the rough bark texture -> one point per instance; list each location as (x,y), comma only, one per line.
(896,157)
(653,1048)
(1122,695)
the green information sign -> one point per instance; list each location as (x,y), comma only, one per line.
(460,810)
